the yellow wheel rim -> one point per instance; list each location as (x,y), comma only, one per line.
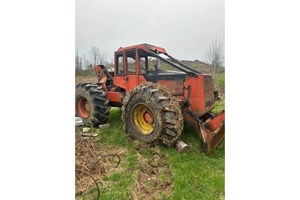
(143,119)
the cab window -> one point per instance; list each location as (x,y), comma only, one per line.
(142,64)
(130,59)
(120,64)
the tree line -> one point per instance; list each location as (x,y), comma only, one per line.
(84,65)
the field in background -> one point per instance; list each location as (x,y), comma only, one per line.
(85,79)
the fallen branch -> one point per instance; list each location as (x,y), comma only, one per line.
(98,189)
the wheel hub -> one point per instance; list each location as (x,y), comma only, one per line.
(83,107)
(148,117)
(143,119)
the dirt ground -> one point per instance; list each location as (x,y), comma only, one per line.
(154,179)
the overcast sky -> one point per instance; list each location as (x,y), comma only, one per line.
(183,27)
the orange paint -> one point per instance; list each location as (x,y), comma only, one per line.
(216,122)
(115,96)
(175,86)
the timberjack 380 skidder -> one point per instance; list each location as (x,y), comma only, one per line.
(154,99)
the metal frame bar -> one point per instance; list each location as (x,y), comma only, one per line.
(182,64)
(185,69)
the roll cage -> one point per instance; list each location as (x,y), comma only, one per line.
(145,51)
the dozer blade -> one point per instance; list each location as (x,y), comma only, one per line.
(211,129)
(212,132)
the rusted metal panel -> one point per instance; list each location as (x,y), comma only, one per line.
(196,98)
(201,94)
(143,46)
(211,131)
(208,92)
(216,122)
(116,97)
(131,82)
(120,82)
(175,86)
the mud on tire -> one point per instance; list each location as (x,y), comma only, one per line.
(165,109)
(91,104)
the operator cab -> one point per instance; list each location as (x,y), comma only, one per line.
(153,62)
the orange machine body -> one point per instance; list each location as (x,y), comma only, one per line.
(197,91)
(193,89)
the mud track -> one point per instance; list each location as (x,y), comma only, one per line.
(154,179)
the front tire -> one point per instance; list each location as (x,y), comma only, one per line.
(91,104)
(151,113)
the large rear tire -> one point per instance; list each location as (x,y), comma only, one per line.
(91,104)
(150,113)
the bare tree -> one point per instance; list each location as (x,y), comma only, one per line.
(95,55)
(80,63)
(103,58)
(77,60)
(85,61)
(215,57)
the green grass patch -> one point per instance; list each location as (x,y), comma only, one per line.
(220,82)
(117,186)
(195,175)
(120,187)
(219,105)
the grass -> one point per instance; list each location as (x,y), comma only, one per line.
(120,188)
(195,175)
(220,82)
(119,184)
(219,105)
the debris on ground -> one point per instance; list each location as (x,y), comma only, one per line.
(102,126)
(85,129)
(95,162)
(182,147)
(89,134)
(78,121)
(155,176)
(92,164)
